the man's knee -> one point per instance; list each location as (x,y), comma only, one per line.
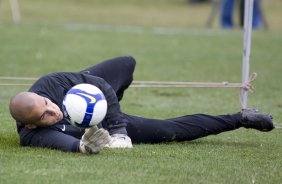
(129,63)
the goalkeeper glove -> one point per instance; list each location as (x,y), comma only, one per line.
(94,140)
(120,141)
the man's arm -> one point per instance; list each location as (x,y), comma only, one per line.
(49,138)
(92,141)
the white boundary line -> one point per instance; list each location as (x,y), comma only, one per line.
(140,29)
(278,126)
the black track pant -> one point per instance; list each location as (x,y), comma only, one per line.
(118,72)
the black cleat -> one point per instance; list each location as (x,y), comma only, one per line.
(252,119)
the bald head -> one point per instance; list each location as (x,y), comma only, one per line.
(34,110)
(21,106)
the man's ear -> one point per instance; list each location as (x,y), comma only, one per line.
(30,126)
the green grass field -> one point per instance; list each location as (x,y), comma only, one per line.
(169,42)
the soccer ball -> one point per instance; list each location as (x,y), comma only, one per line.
(84,105)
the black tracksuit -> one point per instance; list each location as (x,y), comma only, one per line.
(113,77)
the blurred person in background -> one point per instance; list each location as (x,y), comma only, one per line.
(227,9)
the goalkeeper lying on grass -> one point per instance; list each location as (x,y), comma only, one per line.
(40,121)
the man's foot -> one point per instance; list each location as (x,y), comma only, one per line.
(120,141)
(252,119)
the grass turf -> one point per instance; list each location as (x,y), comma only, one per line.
(174,52)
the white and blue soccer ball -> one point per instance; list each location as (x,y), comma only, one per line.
(84,105)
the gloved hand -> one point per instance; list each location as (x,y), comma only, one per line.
(120,141)
(94,140)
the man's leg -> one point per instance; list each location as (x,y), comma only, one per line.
(226,19)
(145,130)
(256,14)
(118,72)
(190,127)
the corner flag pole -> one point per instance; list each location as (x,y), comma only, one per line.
(248,12)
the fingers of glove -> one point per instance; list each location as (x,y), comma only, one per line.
(103,140)
(85,148)
(99,139)
(99,134)
(97,146)
(90,147)
(89,132)
(90,150)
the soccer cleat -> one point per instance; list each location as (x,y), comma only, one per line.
(120,141)
(252,119)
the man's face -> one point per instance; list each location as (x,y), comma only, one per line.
(44,112)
